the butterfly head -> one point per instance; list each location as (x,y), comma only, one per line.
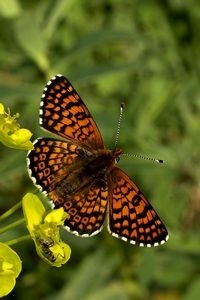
(116,154)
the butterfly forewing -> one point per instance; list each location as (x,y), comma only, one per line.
(63,112)
(80,175)
(131,216)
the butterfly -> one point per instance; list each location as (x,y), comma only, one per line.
(80,175)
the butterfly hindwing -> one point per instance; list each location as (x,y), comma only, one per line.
(131,216)
(86,209)
(52,160)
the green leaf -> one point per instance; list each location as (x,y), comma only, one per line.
(10,8)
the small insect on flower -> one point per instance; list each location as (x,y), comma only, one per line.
(44,229)
(46,245)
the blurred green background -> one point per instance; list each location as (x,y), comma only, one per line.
(147,54)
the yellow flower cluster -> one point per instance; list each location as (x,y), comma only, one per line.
(45,230)
(10,267)
(11,135)
(44,227)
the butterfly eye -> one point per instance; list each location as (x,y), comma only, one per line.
(117,159)
(82,153)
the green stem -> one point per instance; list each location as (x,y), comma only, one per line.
(10,211)
(18,240)
(12,225)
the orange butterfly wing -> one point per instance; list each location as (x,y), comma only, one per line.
(63,112)
(86,209)
(131,216)
(54,166)
(52,160)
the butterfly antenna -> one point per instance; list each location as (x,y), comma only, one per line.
(160,161)
(119,123)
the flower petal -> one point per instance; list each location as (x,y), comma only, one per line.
(10,267)
(57,216)
(33,210)
(11,135)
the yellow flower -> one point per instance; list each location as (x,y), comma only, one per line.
(11,135)
(44,230)
(10,267)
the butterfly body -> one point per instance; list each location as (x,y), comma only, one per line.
(92,170)
(80,175)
